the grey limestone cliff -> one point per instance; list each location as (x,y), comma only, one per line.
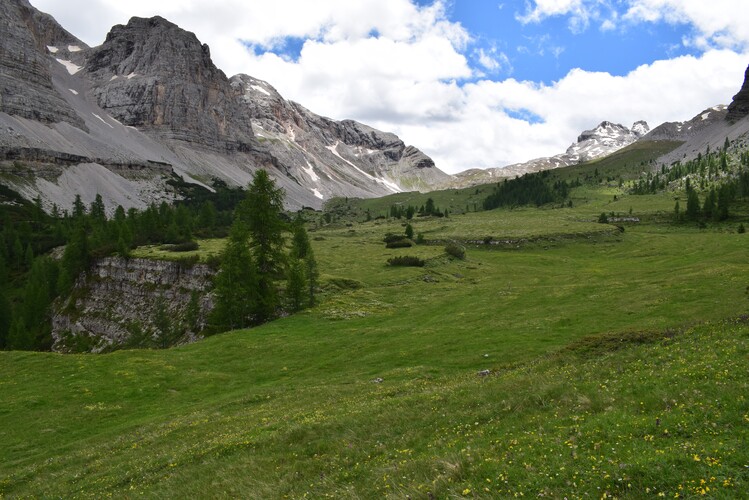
(118,299)
(26,88)
(333,158)
(76,120)
(153,75)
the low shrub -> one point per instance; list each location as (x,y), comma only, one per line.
(402,243)
(186,246)
(406,261)
(390,237)
(455,250)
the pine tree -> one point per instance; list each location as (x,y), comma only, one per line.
(693,205)
(312,275)
(300,245)
(296,286)
(75,259)
(79,209)
(409,232)
(192,313)
(163,323)
(236,282)
(19,337)
(98,211)
(261,211)
(6,318)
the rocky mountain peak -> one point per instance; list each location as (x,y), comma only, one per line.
(153,47)
(739,108)
(640,128)
(154,75)
(26,80)
(604,139)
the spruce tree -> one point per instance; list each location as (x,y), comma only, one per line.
(236,283)
(261,211)
(6,318)
(693,205)
(296,285)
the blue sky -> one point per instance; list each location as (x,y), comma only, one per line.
(548,50)
(473,83)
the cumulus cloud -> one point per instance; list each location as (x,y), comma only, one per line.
(718,23)
(483,132)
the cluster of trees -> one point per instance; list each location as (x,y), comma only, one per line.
(715,206)
(426,210)
(30,280)
(705,170)
(255,261)
(535,188)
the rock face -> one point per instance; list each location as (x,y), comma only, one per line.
(600,141)
(119,300)
(683,131)
(151,95)
(327,155)
(155,76)
(739,108)
(26,88)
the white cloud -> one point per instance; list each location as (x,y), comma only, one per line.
(717,23)
(480,134)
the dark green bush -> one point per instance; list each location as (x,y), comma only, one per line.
(186,246)
(455,250)
(402,243)
(406,261)
(390,237)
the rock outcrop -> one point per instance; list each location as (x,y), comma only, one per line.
(118,299)
(739,108)
(683,131)
(26,88)
(155,76)
(326,155)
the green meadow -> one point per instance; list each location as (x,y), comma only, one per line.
(561,358)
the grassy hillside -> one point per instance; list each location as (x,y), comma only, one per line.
(572,359)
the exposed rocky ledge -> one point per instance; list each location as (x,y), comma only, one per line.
(118,298)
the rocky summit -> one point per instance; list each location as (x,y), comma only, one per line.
(597,142)
(123,118)
(739,108)
(26,88)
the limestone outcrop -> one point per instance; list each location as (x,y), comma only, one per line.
(115,304)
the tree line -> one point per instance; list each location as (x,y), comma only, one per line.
(31,280)
(529,189)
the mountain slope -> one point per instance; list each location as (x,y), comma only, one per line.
(603,140)
(121,118)
(710,128)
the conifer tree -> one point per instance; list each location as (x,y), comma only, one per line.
(296,286)
(236,282)
(261,211)
(693,205)
(6,318)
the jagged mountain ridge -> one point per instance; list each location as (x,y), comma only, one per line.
(710,128)
(122,116)
(604,139)
(343,151)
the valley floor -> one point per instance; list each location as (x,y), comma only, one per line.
(575,360)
